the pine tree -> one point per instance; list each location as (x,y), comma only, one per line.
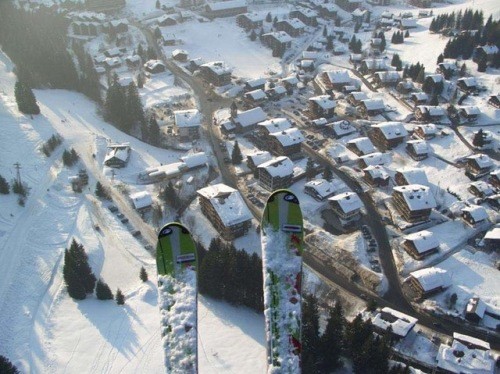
(102,291)
(73,282)
(440,59)
(115,106)
(101,191)
(329,43)
(269,18)
(328,173)
(331,341)
(4,186)
(482,65)
(143,274)
(82,267)
(421,75)
(170,195)
(310,169)
(7,367)
(407,34)
(478,140)
(236,156)
(119,297)
(25,99)
(310,334)
(134,109)
(325,31)
(140,80)
(275,20)
(253,35)
(158,5)
(154,132)
(434,100)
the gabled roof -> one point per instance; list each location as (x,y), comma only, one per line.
(489,49)
(295,23)
(388,76)
(423,240)
(477,212)
(416,196)
(289,137)
(375,64)
(347,201)
(195,159)
(322,187)
(250,117)
(364,144)
(259,157)
(420,96)
(256,82)
(257,94)
(338,76)
(391,130)
(373,104)
(436,78)
(468,81)
(434,111)
(281,36)
(420,147)
(483,161)
(278,167)
(415,176)
(324,101)
(432,278)
(187,118)
(400,323)
(471,110)
(218,67)
(359,95)
(375,158)
(141,199)
(428,129)
(483,187)
(229,4)
(275,124)
(376,172)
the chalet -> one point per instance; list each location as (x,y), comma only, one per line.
(420,244)
(307,16)
(154,67)
(347,207)
(361,146)
(290,83)
(322,106)
(254,160)
(474,215)
(388,134)
(372,159)
(433,83)
(216,73)
(320,189)
(133,61)
(142,201)
(376,175)
(349,5)
(335,79)
(474,310)
(106,6)
(467,85)
(419,98)
(414,202)
(255,96)
(371,107)
(255,84)
(417,149)
(477,166)
(225,208)
(346,90)
(250,20)
(292,26)
(355,58)
(273,125)
(485,51)
(407,23)
(425,132)
(225,8)
(494,201)
(429,281)
(276,93)
(112,62)
(306,65)
(494,178)
(360,15)
(462,357)
(277,40)
(328,11)
(405,86)
(375,43)
(118,25)
(470,113)
(492,239)
(286,142)
(409,176)
(167,20)
(387,78)
(248,120)
(342,128)
(494,101)
(400,324)
(117,155)
(276,173)
(481,189)
(180,55)
(187,124)
(370,66)
(429,113)
(447,69)
(355,98)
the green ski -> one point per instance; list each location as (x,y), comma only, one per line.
(282,246)
(176,262)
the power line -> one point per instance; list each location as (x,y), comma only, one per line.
(17,165)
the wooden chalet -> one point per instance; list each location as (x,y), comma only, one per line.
(370,66)
(216,73)
(347,207)
(414,202)
(467,85)
(376,175)
(387,78)
(355,98)
(361,146)
(292,26)
(429,281)
(306,15)
(426,131)
(487,51)
(404,177)
(477,166)
(322,106)
(481,189)
(254,160)
(470,113)
(494,178)
(285,143)
(372,159)
(419,98)
(405,86)
(417,149)
(492,239)
(250,20)
(447,69)
(494,101)
(388,134)
(276,173)
(277,40)
(320,189)
(474,310)
(420,244)
(429,113)
(474,215)
(117,155)
(187,124)
(371,107)
(227,8)
(335,79)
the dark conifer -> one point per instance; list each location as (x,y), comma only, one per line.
(102,291)
(72,279)
(120,298)
(7,367)
(154,132)
(331,341)
(269,17)
(253,35)
(236,156)
(101,191)
(310,169)
(328,173)
(143,274)
(310,334)
(4,186)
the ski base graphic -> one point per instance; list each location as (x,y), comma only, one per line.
(282,240)
(176,262)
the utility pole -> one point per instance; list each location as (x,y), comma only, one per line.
(17,165)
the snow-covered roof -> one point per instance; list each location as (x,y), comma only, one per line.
(133,58)
(113,52)
(254,17)
(460,359)
(256,94)
(343,127)
(307,12)
(364,144)
(177,52)
(275,124)
(448,65)
(375,63)
(278,167)
(256,82)
(373,104)
(388,76)
(322,187)
(319,122)
(432,278)
(324,101)
(259,157)
(428,129)
(166,17)
(118,22)
(400,323)
(281,36)
(118,151)
(489,49)
(358,12)
(375,158)
(195,159)
(250,117)
(415,176)
(338,76)
(348,201)
(423,240)
(466,339)
(376,172)
(187,118)
(310,55)
(432,110)
(152,64)
(293,80)
(228,204)
(493,234)
(476,306)
(408,22)
(289,136)
(391,130)
(483,187)
(278,90)
(436,78)
(471,110)
(359,95)
(141,199)
(229,4)
(420,147)
(218,67)
(295,23)
(483,161)
(417,196)
(468,81)
(477,212)
(420,96)
(113,61)
(306,63)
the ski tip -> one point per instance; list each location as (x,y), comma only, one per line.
(169,227)
(287,195)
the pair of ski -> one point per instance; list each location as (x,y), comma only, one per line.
(282,240)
